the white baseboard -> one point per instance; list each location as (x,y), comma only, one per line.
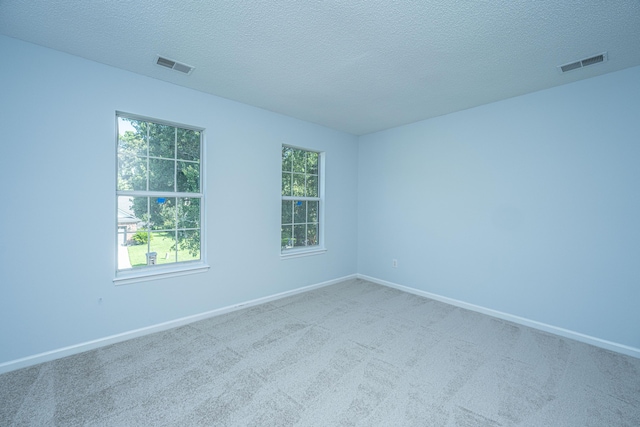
(101,342)
(608,345)
(90,345)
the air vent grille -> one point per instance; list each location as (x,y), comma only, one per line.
(165,62)
(583,62)
(174,65)
(592,60)
(571,66)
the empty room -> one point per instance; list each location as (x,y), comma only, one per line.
(319,213)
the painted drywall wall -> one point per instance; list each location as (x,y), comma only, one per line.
(529,206)
(57,133)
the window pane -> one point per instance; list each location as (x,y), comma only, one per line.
(132,172)
(132,137)
(312,234)
(312,186)
(299,212)
(188,177)
(128,226)
(133,214)
(287,155)
(139,178)
(188,213)
(298,160)
(299,235)
(133,211)
(287,212)
(286,184)
(162,213)
(188,144)
(188,245)
(312,163)
(163,244)
(312,211)
(298,185)
(125,210)
(161,173)
(162,140)
(137,251)
(286,237)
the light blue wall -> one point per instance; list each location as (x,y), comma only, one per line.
(57,168)
(529,206)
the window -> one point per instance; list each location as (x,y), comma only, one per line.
(301,224)
(159,195)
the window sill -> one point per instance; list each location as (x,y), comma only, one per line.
(297,253)
(156,273)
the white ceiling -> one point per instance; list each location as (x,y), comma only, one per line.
(354,65)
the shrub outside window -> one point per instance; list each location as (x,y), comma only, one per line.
(159,194)
(301,200)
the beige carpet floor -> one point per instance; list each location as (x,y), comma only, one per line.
(350,354)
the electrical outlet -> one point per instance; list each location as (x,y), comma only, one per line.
(394,263)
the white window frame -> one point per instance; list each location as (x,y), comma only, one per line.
(320,248)
(140,274)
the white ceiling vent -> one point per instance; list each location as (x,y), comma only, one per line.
(174,65)
(583,62)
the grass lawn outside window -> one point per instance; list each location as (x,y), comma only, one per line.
(163,244)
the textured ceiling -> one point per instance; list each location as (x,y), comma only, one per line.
(354,65)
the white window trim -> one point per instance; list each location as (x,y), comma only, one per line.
(320,248)
(298,253)
(143,274)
